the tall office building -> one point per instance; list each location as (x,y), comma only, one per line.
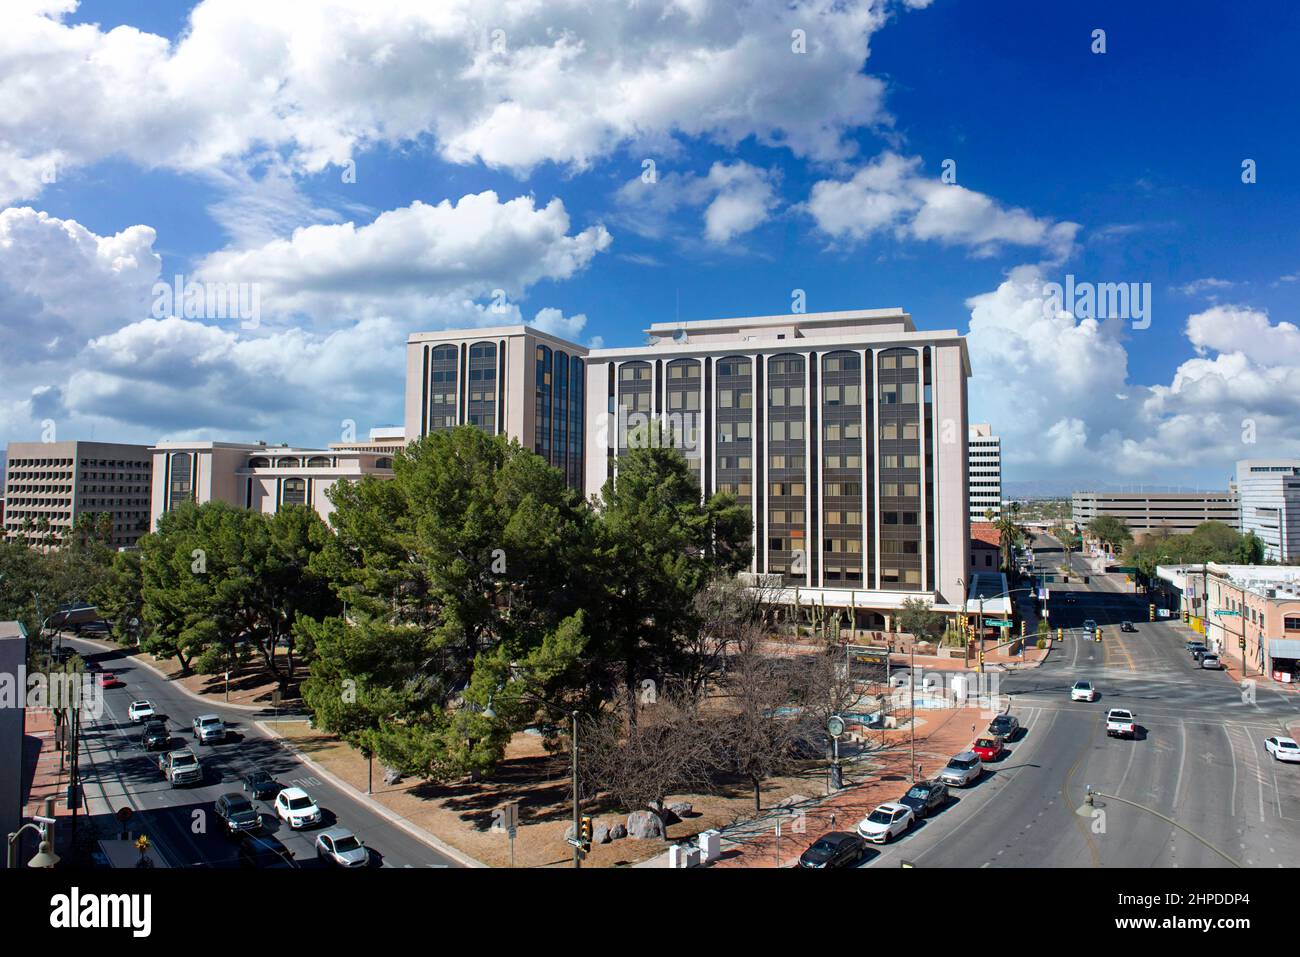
(844,432)
(507,380)
(55,482)
(984,473)
(1269,493)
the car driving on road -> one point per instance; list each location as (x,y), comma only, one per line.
(1283,749)
(1083,691)
(1120,723)
(238,814)
(181,767)
(155,736)
(340,847)
(1090,629)
(887,821)
(836,849)
(140,711)
(924,797)
(1127,626)
(259,784)
(295,807)
(962,769)
(264,853)
(209,729)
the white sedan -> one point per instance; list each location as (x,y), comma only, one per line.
(140,711)
(1083,691)
(885,822)
(295,807)
(1284,749)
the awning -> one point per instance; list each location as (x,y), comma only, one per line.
(1284,648)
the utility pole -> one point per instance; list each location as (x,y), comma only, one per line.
(912,681)
(577,851)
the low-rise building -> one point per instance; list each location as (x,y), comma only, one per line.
(985,547)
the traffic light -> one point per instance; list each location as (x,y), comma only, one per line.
(1186,617)
(1152,608)
(1060,634)
(584,832)
(1241,643)
(1022,628)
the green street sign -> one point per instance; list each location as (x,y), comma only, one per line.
(1220,611)
(997,622)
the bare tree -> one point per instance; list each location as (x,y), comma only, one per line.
(667,750)
(727,612)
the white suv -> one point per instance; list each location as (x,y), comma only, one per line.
(962,769)
(140,711)
(295,807)
(209,729)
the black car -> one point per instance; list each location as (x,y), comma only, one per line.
(238,814)
(1127,626)
(925,797)
(260,784)
(264,853)
(1006,725)
(836,849)
(1199,651)
(155,736)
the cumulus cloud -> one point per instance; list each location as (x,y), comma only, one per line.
(428,263)
(511,85)
(735,198)
(891,194)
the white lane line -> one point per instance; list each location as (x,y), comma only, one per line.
(1182,760)
(1232,799)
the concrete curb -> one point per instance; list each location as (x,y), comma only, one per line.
(140,659)
(387,813)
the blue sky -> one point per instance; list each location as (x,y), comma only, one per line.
(196,139)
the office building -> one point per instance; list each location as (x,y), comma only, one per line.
(984,473)
(1269,494)
(507,380)
(1147,512)
(56,482)
(13,654)
(256,476)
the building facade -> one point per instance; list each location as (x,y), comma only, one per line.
(1147,512)
(55,482)
(507,380)
(844,433)
(1269,493)
(984,473)
(256,476)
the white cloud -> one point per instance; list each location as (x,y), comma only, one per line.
(426,263)
(736,198)
(1198,287)
(891,193)
(508,84)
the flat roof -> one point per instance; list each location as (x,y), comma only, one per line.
(794,318)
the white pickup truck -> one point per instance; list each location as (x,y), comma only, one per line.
(1120,723)
(181,767)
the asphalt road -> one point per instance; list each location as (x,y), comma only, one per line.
(1198,759)
(116,770)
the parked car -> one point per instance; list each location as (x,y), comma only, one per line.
(1196,649)
(1120,723)
(140,711)
(295,807)
(1283,749)
(1193,644)
(155,736)
(1083,691)
(340,847)
(1211,662)
(887,821)
(962,769)
(835,849)
(209,729)
(1005,725)
(1127,626)
(264,852)
(259,784)
(924,797)
(990,748)
(238,814)
(1199,653)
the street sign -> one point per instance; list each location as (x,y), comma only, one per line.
(997,622)
(1221,611)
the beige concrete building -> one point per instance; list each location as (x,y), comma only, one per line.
(1145,512)
(844,432)
(507,380)
(56,482)
(256,476)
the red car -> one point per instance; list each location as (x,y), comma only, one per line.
(990,748)
(108,679)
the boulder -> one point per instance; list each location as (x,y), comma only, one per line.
(600,834)
(644,825)
(683,809)
(617,832)
(392,776)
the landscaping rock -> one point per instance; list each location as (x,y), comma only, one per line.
(617,832)
(644,825)
(600,834)
(392,776)
(683,809)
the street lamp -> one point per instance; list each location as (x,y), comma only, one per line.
(490,713)
(1087,809)
(982,599)
(45,856)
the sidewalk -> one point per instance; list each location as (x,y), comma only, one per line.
(886,776)
(42,779)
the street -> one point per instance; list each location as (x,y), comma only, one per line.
(116,771)
(1198,757)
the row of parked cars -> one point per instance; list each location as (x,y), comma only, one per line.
(1203,656)
(895,818)
(235,809)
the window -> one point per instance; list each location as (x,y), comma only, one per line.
(1291,623)
(295,492)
